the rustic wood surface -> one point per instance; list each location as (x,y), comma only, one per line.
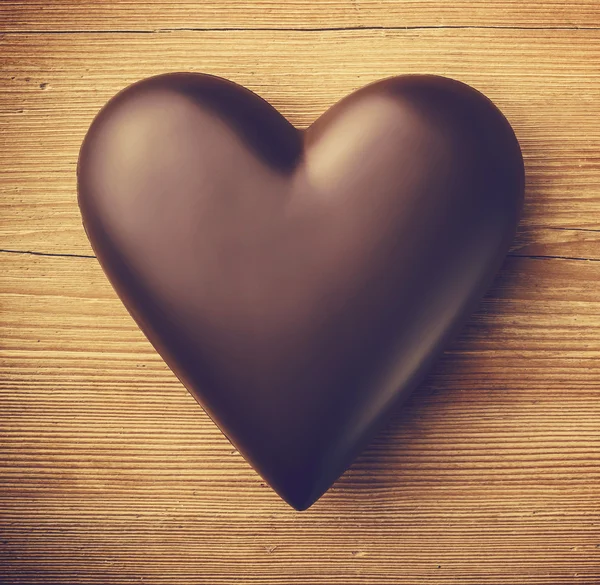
(110,472)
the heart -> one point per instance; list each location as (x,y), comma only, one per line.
(300,283)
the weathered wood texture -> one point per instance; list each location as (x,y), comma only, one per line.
(94,15)
(109,471)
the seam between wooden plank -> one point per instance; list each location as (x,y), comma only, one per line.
(51,254)
(511,255)
(297,29)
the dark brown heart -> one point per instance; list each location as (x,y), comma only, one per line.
(300,283)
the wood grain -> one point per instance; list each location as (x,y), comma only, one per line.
(110,472)
(547,83)
(90,15)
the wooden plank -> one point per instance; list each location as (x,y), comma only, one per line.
(90,15)
(109,471)
(54,85)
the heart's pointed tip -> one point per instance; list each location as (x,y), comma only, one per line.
(300,502)
(302,507)
(301,495)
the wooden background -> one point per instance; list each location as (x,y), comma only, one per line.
(110,472)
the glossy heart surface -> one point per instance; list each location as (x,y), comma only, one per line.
(300,283)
